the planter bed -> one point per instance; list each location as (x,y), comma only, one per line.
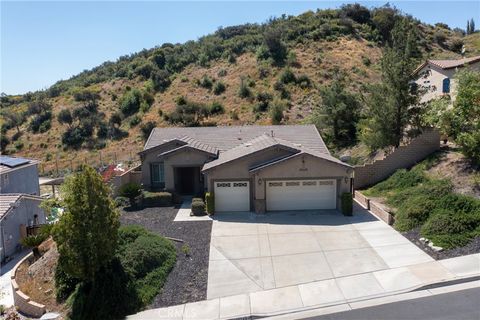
(187,282)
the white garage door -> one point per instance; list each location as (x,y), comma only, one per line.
(301,194)
(232,196)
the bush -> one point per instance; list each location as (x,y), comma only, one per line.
(148,259)
(276,112)
(156,199)
(121,202)
(400,180)
(303,81)
(131,191)
(244,91)
(448,229)
(434,189)
(219,88)
(210,202)
(205,82)
(64,283)
(198,207)
(130,102)
(216,108)
(113,287)
(414,212)
(347,203)
(459,203)
(134,121)
(288,76)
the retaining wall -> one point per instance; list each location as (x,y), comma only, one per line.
(402,157)
(23,302)
(374,208)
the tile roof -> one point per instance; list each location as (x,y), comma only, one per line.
(449,64)
(227,137)
(6,200)
(261,142)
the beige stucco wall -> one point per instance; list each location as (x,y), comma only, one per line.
(184,158)
(434,81)
(294,168)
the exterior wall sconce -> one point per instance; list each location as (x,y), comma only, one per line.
(259,182)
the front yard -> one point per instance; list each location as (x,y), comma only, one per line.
(427,205)
(187,282)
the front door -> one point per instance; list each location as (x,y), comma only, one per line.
(186,180)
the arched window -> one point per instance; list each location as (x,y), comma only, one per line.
(446,85)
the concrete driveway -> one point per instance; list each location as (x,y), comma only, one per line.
(250,253)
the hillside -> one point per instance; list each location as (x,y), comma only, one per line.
(144,89)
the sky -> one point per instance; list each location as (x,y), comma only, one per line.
(43,42)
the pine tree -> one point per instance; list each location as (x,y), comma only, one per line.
(472,26)
(388,105)
(468,27)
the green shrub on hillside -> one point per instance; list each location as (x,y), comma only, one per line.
(433,188)
(400,180)
(219,88)
(414,212)
(130,102)
(448,228)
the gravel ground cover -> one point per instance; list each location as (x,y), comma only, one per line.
(471,248)
(187,282)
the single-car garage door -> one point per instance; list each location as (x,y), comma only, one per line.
(301,195)
(232,196)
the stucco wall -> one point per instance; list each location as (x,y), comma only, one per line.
(184,158)
(21,215)
(21,180)
(436,80)
(403,157)
(310,167)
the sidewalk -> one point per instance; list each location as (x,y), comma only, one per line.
(6,294)
(324,293)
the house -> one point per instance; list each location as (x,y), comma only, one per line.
(19,175)
(19,213)
(19,202)
(436,77)
(248,168)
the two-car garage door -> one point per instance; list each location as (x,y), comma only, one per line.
(231,196)
(301,195)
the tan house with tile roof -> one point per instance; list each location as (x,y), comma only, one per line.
(248,168)
(437,77)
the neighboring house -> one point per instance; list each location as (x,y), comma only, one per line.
(19,202)
(437,77)
(248,168)
(19,175)
(18,213)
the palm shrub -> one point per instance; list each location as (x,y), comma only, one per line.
(33,242)
(130,190)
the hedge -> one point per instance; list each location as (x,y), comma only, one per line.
(156,199)
(198,207)
(210,202)
(347,203)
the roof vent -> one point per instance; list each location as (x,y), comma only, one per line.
(272,133)
(297,145)
(248,144)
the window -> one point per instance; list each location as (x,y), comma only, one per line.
(223,185)
(292,184)
(158,175)
(275,184)
(446,85)
(240,184)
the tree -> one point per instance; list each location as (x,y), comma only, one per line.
(468,27)
(472,26)
(15,119)
(388,104)
(86,234)
(65,117)
(464,118)
(276,111)
(338,113)
(276,48)
(130,102)
(356,12)
(384,19)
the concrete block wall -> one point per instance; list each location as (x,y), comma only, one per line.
(374,208)
(402,157)
(21,300)
(132,175)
